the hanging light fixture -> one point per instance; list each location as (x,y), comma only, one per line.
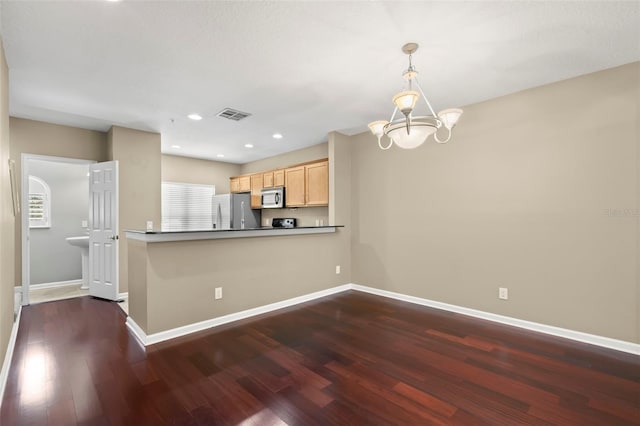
(412,131)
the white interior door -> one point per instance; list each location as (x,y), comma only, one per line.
(103,230)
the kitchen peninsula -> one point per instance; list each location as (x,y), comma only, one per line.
(173,276)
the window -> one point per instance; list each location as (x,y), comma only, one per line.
(39,203)
(186,206)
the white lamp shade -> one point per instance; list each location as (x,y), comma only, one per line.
(377,127)
(419,134)
(406,100)
(449,117)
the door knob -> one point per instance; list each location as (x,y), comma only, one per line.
(113,237)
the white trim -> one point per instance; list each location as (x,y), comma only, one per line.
(124,295)
(24,213)
(4,373)
(151,339)
(137,331)
(619,345)
(606,342)
(54,284)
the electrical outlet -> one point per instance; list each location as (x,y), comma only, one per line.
(337,269)
(218,293)
(85,224)
(149,225)
(503,293)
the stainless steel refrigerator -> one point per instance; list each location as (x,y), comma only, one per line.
(233,211)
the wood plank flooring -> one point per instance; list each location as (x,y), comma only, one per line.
(348,359)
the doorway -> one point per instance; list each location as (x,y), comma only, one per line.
(54,207)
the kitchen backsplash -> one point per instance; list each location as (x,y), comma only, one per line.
(306,216)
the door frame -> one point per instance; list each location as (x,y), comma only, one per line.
(24,212)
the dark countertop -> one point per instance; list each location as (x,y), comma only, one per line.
(214,234)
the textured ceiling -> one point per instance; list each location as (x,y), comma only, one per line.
(301,68)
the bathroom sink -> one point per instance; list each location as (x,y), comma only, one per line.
(82,242)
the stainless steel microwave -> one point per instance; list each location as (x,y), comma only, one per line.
(273,198)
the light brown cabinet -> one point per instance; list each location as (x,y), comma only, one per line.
(267,179)
(317,184)
(240,184)
(256,188)
(278,177)
(294,183)
(234,184)
(245,183)
(307,185)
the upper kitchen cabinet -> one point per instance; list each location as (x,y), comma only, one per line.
(256,188)
(245,183)
(234,184)
(294,182)
(267,179)
(317,184)
(307,185)
(240,184)
(278,177)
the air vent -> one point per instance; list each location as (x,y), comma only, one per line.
(233,114)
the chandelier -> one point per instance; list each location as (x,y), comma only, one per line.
(412,131)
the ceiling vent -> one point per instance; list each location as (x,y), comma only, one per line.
(233,114)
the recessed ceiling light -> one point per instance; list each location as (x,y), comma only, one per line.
(277,136)
(220,155)
(248,145)
(195,117)
(176,146)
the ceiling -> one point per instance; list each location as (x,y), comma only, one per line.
(301,69)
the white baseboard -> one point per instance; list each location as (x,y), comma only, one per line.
(137,331)
(53,284)
(619,345)
(4,373)
(124,295)
(150,339)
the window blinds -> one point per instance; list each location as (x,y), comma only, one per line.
(37,211)
(186,206)
(39,197)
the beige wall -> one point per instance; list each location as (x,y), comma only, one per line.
(305,216)
(138,296)
(530,194)
(6,215)
(311,153)
(637,215)
(193,170)
(139,163)
(36,137)
(340,196)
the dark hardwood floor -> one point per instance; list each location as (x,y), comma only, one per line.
(348,359)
